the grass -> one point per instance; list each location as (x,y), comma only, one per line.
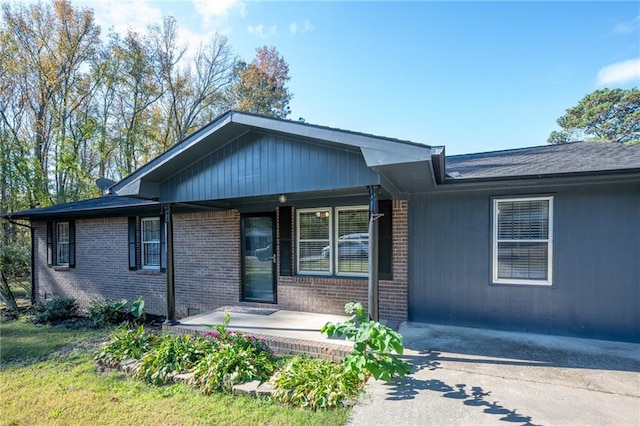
(40,385)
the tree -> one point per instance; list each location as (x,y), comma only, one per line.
(606,115)
(260,87)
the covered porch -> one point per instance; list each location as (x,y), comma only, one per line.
(284,331)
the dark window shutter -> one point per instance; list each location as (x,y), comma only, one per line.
(72,244)
(285,217)
(385,240)
(163,245)
(49,243)
(132,244)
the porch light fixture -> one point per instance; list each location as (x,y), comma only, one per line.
(282,198)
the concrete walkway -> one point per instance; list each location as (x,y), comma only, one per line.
(469,376)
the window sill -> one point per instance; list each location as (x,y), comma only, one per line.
(149,272)
(61,268)
(522,284)
(331,277)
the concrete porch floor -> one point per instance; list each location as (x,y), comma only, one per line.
(284,331)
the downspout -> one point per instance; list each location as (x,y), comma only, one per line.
(32,276)
(171,291)
(373,253)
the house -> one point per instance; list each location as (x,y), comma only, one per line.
(258,211)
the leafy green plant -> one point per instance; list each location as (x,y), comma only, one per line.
(125,344)
(229,364)
(374,345)
(137,309)
(173,355)
(59,308)
(236,358)
(315,383)
(103,312)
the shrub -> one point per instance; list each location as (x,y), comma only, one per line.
(315,383)
(373,347)
(232,362)
(236,358)
(59,308)
(103,313)
(125,344)
(173,355)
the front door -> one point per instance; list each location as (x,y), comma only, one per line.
(258,258)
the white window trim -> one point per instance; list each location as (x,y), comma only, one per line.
(143,242)
(549,241)
(306,272)
(60,244)
(333,242)
(334,247)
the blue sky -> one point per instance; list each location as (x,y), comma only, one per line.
(473,76)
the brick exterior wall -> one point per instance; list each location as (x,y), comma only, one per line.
(207,269)
(207,261)
(102,267)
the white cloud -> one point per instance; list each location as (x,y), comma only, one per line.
(122,15)
(619,73)
(628,27)
(306,26)
(262,31)
(210,9)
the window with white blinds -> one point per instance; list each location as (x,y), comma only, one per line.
(522,240)
(333,241)
(150,243)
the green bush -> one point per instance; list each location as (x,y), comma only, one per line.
(59,308)
(315,383)
(173,354)
(125,344)
(232,362)
(103,312)
(373,347)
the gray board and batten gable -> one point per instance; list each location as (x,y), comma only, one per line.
(244,156)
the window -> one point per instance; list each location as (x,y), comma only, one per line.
(328,248)
(150,239)
(61,244)
(147,243)
(522,240)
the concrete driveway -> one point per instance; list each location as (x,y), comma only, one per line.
(467,376)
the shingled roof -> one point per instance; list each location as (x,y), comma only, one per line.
(570,158)
(100,206)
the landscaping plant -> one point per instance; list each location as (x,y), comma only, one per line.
(172,355)
(236,358)
(126,343)
(374,345)
(57,309)
(104,312)
(315,383)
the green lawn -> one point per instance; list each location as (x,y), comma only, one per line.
(47,377)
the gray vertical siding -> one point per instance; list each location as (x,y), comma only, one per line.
(596,272)
(260,164)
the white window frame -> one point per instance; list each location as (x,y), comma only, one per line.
(144,242)
(333,242)
(307,272)
(62,245)
(548,240)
